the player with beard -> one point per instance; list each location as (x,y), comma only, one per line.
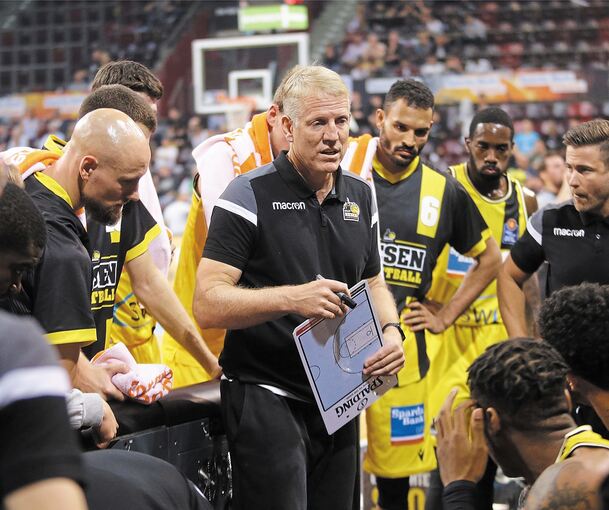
(421,210)
(504,205)
(571,236)
(93,171)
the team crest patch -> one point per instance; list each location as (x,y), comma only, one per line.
(389,236)
(407,424)
(350,211)
(510,232)
(96,256)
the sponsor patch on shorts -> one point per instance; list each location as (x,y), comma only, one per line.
(407,424)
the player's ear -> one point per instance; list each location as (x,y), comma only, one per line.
(493,420)
(467,142)
(380,117)
(87,165)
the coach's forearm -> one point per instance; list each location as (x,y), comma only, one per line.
(228,306)
(220,302)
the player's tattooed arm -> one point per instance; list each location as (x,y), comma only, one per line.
(564,486)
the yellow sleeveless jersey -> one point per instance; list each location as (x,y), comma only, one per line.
(506,218)
(580,437)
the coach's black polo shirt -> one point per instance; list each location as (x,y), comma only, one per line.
(576,246)
(269,224)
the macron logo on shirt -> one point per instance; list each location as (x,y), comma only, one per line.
(281,206)
(568,232)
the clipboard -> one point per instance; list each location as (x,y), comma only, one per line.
(333,352)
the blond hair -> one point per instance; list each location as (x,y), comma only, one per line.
(303,82)
(593,132)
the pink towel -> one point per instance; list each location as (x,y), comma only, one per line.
(144,382)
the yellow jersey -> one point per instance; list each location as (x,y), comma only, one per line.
(506,218)
(581,436)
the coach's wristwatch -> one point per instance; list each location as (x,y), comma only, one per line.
(397,326)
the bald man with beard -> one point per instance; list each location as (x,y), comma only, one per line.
(95,172)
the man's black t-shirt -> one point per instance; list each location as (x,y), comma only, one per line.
(575,245)
(269,224)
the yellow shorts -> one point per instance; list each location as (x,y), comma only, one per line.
(459,347)
(398,425)
(186,370)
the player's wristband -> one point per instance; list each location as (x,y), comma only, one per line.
(397,326)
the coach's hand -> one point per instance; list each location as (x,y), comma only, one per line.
(461,450)
(389,359)
(421,317)
(317,299)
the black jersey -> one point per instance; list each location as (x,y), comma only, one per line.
(59,288)
(575,245)
(418,216)
(111,247)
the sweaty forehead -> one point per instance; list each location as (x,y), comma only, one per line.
(492,133)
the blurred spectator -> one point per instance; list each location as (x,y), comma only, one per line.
(354,50)
(166,155)
(526,137)
(551,137)
(176,212)
(196,133)
(474,29)
(552,175)
(359,117)
(80,81)
(99,57)
(433,25)
(331,58)
(453,65)
(374,51)
(395,49)
(165,184)
(432,68)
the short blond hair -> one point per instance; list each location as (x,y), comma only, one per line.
(303,82)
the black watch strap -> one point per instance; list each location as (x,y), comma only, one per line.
(397,326)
